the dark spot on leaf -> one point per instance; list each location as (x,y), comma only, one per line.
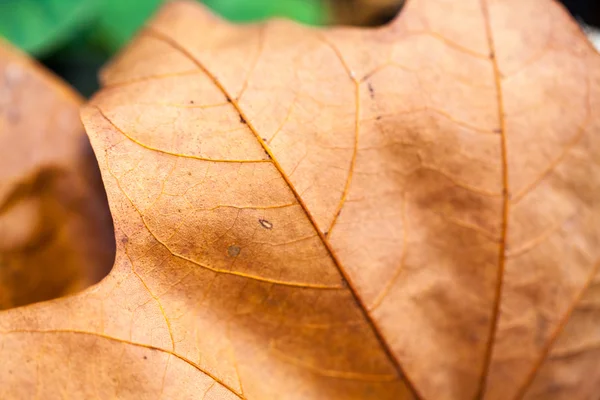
(145,358)
(325,234)
(497,130)
(265,224)
(233,251)
(189,174)
(13,115)
(371,90)
(242,119)
(264,139)
(378,117)
(228,100)
(191,101)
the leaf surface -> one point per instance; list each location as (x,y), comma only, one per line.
(55,228)
(398,213)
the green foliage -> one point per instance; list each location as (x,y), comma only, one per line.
(76,37)
(120,19)
(306,11)
(40,26)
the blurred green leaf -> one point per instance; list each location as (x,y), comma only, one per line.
(75,37)
(41,26)
(310,12)
(120,19)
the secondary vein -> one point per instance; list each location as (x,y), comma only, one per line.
(385,347)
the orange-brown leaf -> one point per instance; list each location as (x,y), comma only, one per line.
(55,227)
(398,213)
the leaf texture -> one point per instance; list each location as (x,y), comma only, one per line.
(408,212)
(55,228)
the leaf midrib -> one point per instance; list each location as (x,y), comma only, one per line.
(149,31)
(505,203)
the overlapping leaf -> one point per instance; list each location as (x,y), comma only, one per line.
(55,228)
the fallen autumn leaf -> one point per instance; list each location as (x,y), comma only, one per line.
(394,213)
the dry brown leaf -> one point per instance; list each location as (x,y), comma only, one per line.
(405,212)
(55,228)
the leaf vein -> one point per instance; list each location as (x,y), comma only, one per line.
(124,341)
(167,39)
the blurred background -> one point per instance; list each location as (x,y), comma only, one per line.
(74,38)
